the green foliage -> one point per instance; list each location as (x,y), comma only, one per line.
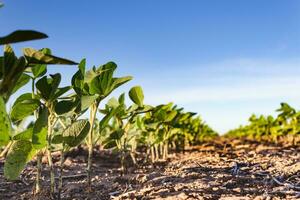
(76,132)
(39,133)
(20,153)
(268,128)
(23,108)
(136,95)
(21,36)
(5,126)
(39,57)
(48,87)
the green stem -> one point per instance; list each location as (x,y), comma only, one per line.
(39,154)
(60,184)
(93,111)
(50,162)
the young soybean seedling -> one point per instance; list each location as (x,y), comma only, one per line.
(124,134)
(92,87)
(27,104)
(49,92)
(72,136)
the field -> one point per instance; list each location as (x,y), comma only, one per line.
(76,140)
(223,169)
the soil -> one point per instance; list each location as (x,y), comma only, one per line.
(222,169)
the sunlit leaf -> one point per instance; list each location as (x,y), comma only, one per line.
(21,36)
(20,153)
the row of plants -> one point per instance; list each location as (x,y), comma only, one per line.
(51,118)
(286,125)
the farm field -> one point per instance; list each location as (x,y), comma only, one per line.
(150,100)
(222,169)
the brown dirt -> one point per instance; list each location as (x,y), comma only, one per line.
(220,170)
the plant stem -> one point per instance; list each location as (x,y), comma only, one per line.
(38,173)
(6,149)
(93,111)
(60,184)
(50,162)
(39,154)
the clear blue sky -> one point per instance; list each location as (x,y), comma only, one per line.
(222,59)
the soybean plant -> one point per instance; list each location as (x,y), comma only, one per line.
(92,87)
(125,133)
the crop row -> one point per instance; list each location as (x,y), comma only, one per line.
(51,118)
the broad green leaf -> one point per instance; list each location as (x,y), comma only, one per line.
(86,101)
(23,97)
(9,59)
(171,115)
(24,135)
(44,87)
(20,153)
(136,95)
(60,91)
(23,80)
(22,36)
(5,126)
(38,57)
(11,77)
(57,139)
(117,82)
(102,82)
(24,109)
(47,87)
(105,120)
(65,106)
(121,98)
(113,103)
(54,83)
(39,135)
(76,132)
(39,70)
(78,77)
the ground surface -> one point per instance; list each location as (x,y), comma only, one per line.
(220,170)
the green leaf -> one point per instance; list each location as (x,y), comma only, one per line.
(22,36)
(23,80)
(78,77)
(117,82)
(136,95)
(44,87)
(104,121)
(39,135)
(11,77)
(76,132)
(86,101)
(9,59)
(47,87)
(60,91)
(24,135)
(113,103)
(171,115)
(5,126)
(102,79)
(38,57)
(21,152)
(23,97)
(121,98)
(65,106)
(57,139)
(39,70)
(24,109)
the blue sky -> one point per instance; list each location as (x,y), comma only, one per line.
(222,59)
